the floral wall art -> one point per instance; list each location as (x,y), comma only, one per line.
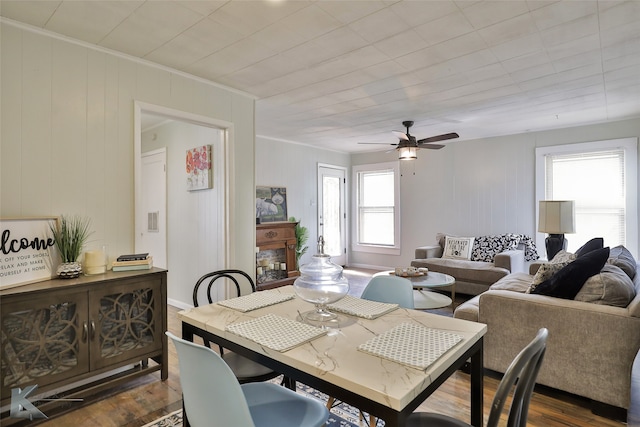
(199,173)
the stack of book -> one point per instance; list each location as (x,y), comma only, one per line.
(133,262)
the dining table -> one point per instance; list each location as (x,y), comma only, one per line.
(380,358)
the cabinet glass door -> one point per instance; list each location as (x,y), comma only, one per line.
(43,340)
(128,323)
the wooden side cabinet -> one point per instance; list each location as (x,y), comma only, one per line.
(78,337)
(276,257)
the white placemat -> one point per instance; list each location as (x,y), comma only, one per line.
(410,344)
(361,307)
(275,332)
(255,300)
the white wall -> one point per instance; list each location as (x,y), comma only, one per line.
(195,227)
(67,135)
(295,166)
(478,187)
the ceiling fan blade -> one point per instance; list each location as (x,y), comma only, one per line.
(401,135)
(431,146)
(439,138)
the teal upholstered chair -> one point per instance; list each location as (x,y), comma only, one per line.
(212,396)
(390,289)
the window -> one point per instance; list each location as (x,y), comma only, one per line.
(601,178)
(377,194)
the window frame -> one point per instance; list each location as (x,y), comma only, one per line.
(373,248)
(630,147)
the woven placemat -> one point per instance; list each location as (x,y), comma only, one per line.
(361,307)
(275,332)
(412,345)
(255,300)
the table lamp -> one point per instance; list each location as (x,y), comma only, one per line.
(556,217)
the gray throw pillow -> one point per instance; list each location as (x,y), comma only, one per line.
(621,257)
(612,286)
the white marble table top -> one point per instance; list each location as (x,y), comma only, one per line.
(335,358)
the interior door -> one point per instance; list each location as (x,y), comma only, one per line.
(332,218)
(152,237)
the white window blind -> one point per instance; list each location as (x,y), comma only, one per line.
(601,177)
(596,182)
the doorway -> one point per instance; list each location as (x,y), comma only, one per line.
(152,238)
(332,218)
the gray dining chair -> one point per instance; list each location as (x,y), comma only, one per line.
(523,370)
(245,370)
(212,396)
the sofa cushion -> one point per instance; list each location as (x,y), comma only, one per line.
(611,286)
(567,282)
(591,245)
(515,282)
(548,269)
(457,247)
(622,258)
(468,310)
(466,271)
(485,248)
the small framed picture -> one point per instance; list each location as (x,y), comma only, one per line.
(199,170)
(271,204)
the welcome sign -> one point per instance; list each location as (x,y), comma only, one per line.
(26,250)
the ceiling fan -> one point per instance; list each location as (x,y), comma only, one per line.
(408,145)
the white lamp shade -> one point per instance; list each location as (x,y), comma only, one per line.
(557,216)
(408,153)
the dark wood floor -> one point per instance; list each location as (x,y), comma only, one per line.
(149,398)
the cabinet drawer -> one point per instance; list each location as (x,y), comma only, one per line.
(274,235)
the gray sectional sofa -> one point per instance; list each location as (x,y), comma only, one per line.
(591,347)
(472,277)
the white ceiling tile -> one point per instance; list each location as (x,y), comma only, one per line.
(204,8)
(310,22)
(249,17)
(532,73)
(150,26)
(448,27)
(233,58)
(90,21)
(488,13)
(576,29)
(532,59)
(574,47)
(625,33)
(619,13)
(416,13)
(592,57)
(347,11)
(560,12)
(505,31)
(518,47)
(278,37)
(35,13)
(401,44)
(379,25)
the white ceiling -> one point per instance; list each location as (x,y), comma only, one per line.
(335,73)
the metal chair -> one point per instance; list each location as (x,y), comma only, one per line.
(245,370)
(390,289)
(212,396)
(523,370)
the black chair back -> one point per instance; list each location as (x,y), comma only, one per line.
(210,278)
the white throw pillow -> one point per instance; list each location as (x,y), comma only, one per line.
(458,247)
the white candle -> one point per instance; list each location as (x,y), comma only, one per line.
(94,262)
(283,266)
(259,270)
(271,266)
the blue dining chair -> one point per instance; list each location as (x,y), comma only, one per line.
(390,289)
(212,396)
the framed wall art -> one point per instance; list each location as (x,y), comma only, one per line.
(199,171)
(27,251)
(271,204)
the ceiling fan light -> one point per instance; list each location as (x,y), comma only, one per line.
(408,153)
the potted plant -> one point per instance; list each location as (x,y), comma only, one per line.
(302,235)
(69,237)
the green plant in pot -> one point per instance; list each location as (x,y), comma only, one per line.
(302,235)
(69,236)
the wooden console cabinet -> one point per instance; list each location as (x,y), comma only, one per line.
(77,337)
(276,243)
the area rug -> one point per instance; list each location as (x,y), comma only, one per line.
(342,415)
